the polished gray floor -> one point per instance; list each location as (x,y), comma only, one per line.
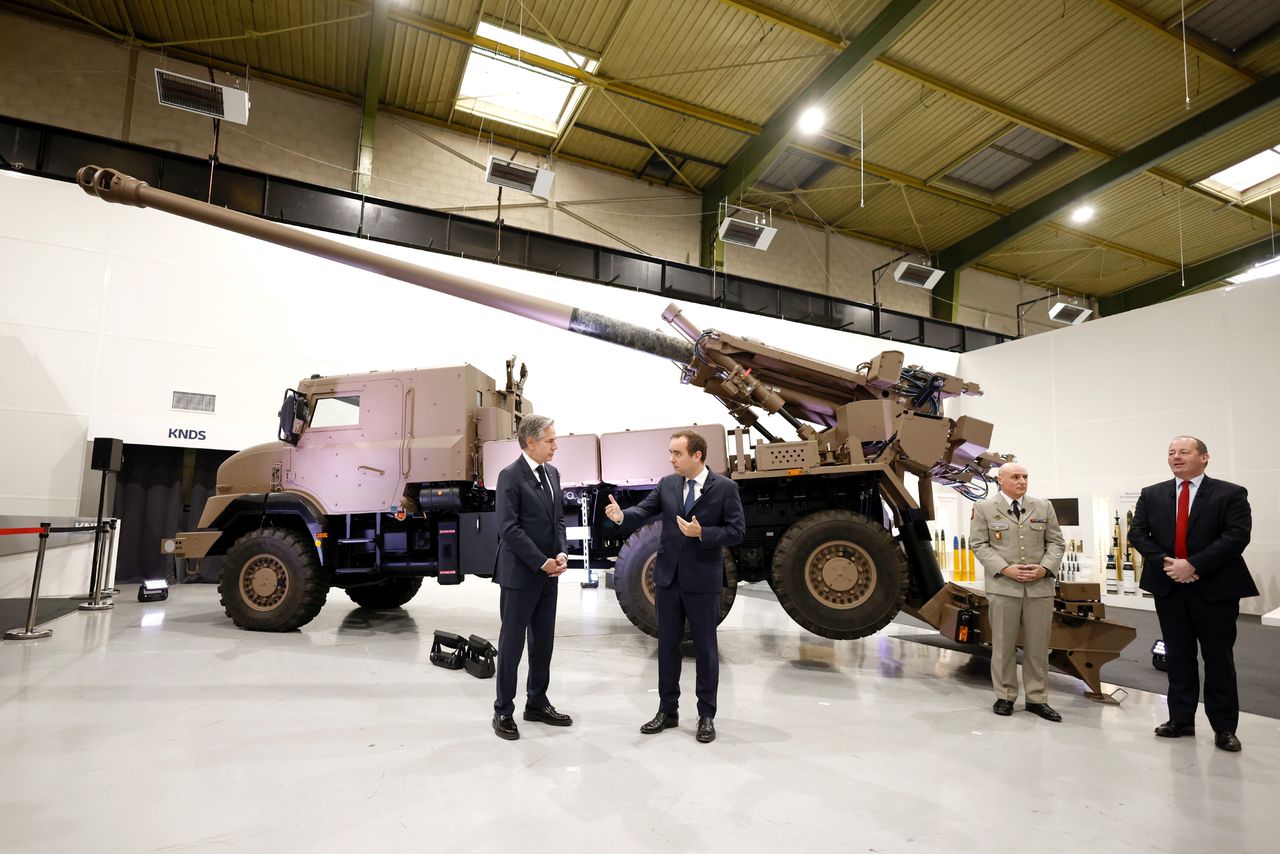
(162,728)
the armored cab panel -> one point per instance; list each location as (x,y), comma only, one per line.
(251,470)
(577,459)
(447,409)
(640,457)
(351,456)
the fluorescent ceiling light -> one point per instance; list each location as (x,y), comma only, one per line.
(504,89)
(1258,271)
(1084,213)
(1250,179)
(811,120)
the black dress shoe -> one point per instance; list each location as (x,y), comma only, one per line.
(1226,740)
(661,721)
(505,727)
(1172,729)
(1003,707)
(548,715)
(1045,711)
(706,730)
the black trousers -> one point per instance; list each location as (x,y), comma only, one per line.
(1187,619)
(526,614)
(702,610)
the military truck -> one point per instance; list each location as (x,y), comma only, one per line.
(378,480)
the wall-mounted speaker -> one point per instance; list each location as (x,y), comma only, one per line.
(108,454)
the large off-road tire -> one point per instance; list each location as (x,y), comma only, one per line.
(385,595)
(633,580)
(839,574)
(271,581)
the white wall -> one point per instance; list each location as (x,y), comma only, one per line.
(1090,409)
(107,310)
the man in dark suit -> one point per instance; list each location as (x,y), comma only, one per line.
(701,514)
(1191,533)
(531,558)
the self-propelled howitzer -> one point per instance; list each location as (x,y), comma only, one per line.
(817,526)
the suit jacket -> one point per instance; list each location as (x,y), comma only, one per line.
(999,540)
(530,528)
(695,564)
(1218,529)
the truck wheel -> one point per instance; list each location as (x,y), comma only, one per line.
(271,581)
(391,593)
(839,575)
(634,586)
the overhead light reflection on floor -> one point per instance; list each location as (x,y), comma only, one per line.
(153,618)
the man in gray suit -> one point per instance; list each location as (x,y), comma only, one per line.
(1020,546)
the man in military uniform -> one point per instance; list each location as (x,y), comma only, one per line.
(1020,546)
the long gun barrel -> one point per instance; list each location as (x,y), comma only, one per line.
(113,186)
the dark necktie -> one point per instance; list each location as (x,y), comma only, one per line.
(1184,510)
(1017,511)
(546,487)
(688,499)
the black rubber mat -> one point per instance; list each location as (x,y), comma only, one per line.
(13,612)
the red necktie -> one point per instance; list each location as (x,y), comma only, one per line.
(1180,532)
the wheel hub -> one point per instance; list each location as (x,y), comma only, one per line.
(264,582)
(840,574)
(646,580)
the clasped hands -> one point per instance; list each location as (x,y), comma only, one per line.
(556,565)
(1179,570)
(1024,572)
(692,528)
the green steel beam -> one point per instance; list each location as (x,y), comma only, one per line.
(743,170)
(1225,114)
(1196,277)
(372,92)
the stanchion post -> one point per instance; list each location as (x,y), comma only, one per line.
(96,603)
(30,632)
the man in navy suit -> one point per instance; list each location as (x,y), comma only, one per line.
(701,514)
(531,558)
(1191,533)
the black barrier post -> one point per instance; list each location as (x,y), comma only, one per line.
(30,632)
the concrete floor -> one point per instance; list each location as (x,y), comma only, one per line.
(161,727)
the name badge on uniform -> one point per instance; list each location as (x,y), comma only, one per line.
(1034,520)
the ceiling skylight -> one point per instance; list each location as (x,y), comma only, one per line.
(1249,180)
(507,90)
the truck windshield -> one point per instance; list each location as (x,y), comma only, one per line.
(330,412)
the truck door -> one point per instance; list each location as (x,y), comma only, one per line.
(350,457)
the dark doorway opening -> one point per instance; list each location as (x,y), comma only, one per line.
(159,492)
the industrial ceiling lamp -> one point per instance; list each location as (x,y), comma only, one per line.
(1082,214)
(811,121)
(529,179)
(203,97)
(752,229)
(1069,313)
(917,275)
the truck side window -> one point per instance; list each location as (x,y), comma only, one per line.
(329,412)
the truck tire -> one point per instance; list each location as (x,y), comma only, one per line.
(391,593)
(271,581)
(839,574)
(633,580)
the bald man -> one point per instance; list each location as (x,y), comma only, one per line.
(1017,540)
